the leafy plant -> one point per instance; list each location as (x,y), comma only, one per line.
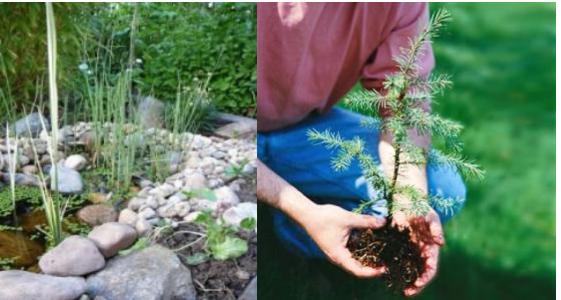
(236,170)
(140,244)
(221,241)
(248,223)
(405,93)
(204,193)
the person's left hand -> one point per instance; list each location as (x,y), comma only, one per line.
(426,232)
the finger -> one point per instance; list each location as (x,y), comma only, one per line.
(364,221)
(436,231)
(431,265)
(345,260)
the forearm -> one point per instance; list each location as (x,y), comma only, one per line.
(275,191)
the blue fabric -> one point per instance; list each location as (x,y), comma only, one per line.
(307,167)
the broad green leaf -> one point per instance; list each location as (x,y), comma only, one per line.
(232,247)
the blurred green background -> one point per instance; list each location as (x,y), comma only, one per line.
(502,245)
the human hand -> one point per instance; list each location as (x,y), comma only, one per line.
(426,232)
(330,227)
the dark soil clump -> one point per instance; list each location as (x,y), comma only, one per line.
(390,247)
(216,279)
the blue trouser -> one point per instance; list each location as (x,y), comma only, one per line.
(307,167)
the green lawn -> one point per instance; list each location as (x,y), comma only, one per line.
(502,245)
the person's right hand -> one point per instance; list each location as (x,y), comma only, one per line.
(330,227)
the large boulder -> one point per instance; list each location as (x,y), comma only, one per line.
(150,113)
(75,256)
(154,273)
(30,125)
(21,285)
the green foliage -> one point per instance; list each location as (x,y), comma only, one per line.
(405,93)
(204,193)
(7,263)
(140,244)
(26,194)
(236,170)
(220,239)
(23,55)
(76,228)
(248,224)
(188,43)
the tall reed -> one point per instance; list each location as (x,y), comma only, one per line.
(53,210)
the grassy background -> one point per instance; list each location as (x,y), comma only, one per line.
(502,245)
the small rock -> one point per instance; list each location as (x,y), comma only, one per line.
(76,162)
(242,275)
(234,215)
(128,216)
(135,203)
(250,292)
(226,197)
(112,237)
(147,213)
(23,160)
(75,256)
(191,217)
(152,202)
(177,197)
(97,214)
(31,125)
(98,198)
(69,180)
(182,209)
(143,227)
(29,170)
(21,285)
(195,181)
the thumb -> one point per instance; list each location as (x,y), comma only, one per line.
(365,221)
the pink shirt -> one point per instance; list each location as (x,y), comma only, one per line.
(309,55)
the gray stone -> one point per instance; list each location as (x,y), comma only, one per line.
(195,181)
(127,216)
(69,180)
(150,113)
(112,237)
(76,162)
(23,160)
(30,170)
(237,130)
(234,215)
(97,214)
(30,125)
(147,213)
(135,203)
(143,227)
(21,285)
(75,256)
(153,273)
(250,292)
(226,197)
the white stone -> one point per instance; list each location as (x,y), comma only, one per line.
(76,162)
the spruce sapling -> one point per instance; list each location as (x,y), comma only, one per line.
(405,94)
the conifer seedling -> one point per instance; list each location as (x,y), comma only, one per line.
(405,92)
